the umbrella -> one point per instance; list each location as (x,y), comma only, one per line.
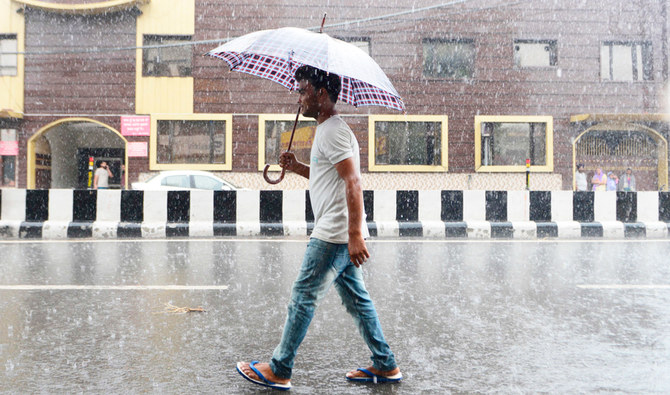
(276,54)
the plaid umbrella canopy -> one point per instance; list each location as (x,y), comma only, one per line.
(276,55)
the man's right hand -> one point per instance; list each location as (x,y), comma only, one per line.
(288,161)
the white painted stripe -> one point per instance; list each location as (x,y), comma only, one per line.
(60,206)
(56,287)
(604,206)
(474,206)
(384,206)
(518,206)
(201,207)
(155,207)
(13,205)
(561,206)
(624,286)
(647,206)
(108,206)
(430,207)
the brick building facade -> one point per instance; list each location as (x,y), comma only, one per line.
(499,82)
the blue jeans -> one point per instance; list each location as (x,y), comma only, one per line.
(324,264)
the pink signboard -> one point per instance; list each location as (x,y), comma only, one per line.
(137,149)
(136,125)
(9,148)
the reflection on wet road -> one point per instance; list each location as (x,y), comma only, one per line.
(501,316)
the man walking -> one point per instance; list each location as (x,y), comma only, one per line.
(336,249)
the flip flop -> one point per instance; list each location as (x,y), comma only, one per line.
(263,381)
(375,378)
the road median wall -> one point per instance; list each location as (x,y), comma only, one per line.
(66,213)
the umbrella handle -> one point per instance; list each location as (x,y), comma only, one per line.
(267,167)
(267,178)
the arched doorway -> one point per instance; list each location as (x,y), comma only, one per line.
(616,146)
(58,154)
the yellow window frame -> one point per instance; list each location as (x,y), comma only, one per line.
(444,143)
(262,118)
(548,120)
(153,162)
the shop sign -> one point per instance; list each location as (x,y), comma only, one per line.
(137,149)
(9,148)
(136,125)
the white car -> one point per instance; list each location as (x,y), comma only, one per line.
(182,180)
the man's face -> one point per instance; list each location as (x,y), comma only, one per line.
(103,165)
(308,99)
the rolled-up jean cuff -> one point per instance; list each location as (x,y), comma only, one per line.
(280,372)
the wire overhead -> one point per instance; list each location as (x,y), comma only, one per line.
(224,40)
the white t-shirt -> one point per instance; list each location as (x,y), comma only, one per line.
(103,177)
(580,180)
(333,142)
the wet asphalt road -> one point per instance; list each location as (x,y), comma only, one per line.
(483,316)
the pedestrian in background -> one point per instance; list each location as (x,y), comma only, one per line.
(627,181)
(101,178)
(580,178)
(612,181)
(599,180)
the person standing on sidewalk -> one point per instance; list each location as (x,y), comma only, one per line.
(336,249)
(101,178)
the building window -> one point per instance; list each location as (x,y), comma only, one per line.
(454,59)
(504,143)
(621,61)
(407,143)
(9,150)
(173,57)
(274,133)
(535,53)
(8,56)
(195,141)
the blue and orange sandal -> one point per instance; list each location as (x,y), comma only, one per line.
(375,378)
(263,381)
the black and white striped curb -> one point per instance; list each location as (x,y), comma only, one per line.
(65,213)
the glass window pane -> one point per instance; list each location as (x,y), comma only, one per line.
(622,63)
(8,62)
(511,143)
(204,182)
(192,142)
(278,135)
(167,61)
(408,143)
(534,53)
(176,181)
(8,171)
(626,61)
(449,59)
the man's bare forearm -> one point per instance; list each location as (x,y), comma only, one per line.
(354,205)
(301,169)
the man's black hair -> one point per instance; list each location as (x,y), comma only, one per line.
(320,79)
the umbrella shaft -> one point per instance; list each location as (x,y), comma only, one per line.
(290,142)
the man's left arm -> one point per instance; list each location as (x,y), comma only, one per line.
(354,192)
